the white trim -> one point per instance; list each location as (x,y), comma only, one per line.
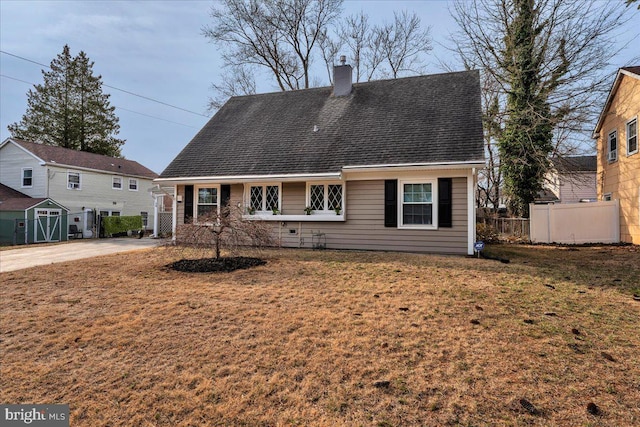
(318,217)
(626,134)
(247,195)
(79,187)
(612,155)
(237,179)
(326,184)
(113,183)
(434,204)
(22,178)
(129,184)
(414,166)
(471,210)
(196,188)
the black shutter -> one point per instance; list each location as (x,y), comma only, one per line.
(225,195)
(391,203)
(445,216)
(188,204)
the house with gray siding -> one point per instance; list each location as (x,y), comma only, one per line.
(89,185)
(383,165)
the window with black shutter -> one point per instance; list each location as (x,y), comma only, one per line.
(445,215)
(188,204)
(391,203)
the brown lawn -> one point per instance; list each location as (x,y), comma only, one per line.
(330,339)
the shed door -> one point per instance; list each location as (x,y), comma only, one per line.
(47,225)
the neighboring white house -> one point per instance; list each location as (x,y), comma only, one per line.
(89,185)
(571,180)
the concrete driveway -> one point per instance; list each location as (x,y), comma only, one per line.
(33,255)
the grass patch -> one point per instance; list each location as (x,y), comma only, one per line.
(330,338)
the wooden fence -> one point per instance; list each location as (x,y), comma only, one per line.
(509,227)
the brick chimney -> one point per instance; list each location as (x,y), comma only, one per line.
(342,78)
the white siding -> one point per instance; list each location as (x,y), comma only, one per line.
(96,192)
(12,160)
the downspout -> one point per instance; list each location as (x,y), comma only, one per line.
(174,214)
(471,211)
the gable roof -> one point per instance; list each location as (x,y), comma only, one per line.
(434,119)
(633,72)
(576,164)
(61,156)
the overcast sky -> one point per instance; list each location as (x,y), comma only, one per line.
(155,49)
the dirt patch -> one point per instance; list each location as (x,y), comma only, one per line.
(215,265)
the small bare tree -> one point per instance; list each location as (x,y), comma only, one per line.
(225,229)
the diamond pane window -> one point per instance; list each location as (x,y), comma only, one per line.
(272,197)
(256,198)
(335,196)
(317,197)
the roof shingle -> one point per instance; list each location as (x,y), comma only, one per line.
(68,157)
(424,119)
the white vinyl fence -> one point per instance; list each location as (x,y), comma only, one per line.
(576,223)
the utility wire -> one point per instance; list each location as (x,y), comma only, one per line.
(120,108)
(111,87)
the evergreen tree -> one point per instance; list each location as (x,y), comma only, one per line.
(526,142)
(69,110)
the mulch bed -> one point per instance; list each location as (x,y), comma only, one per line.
(212,265)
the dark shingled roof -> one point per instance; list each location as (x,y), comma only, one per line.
(425,119)
(576,164)
(68,157)
(13,200)
(634,69)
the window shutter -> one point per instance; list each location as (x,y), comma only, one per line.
(445,216)
(188,204)
(391,203)
(225,195)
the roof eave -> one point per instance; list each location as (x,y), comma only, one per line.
(612,92)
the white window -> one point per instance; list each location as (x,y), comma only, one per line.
(612,146)
(632,137)
(145,218)
(73,180)
(264,197)
(607,197)
(133,184)
(27,177)
(117,183)
(417,206)
(325,197)
(206,202)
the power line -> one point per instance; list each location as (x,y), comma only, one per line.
(120,108)
(111,87)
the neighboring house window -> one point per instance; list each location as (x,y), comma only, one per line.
(117,183)
(145,218)
(607,197)
(133,184)
(207,201)
(27,177)
(73,180)
(612,146)
(417,204)
(264,197)
(632,137)
(325,197)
